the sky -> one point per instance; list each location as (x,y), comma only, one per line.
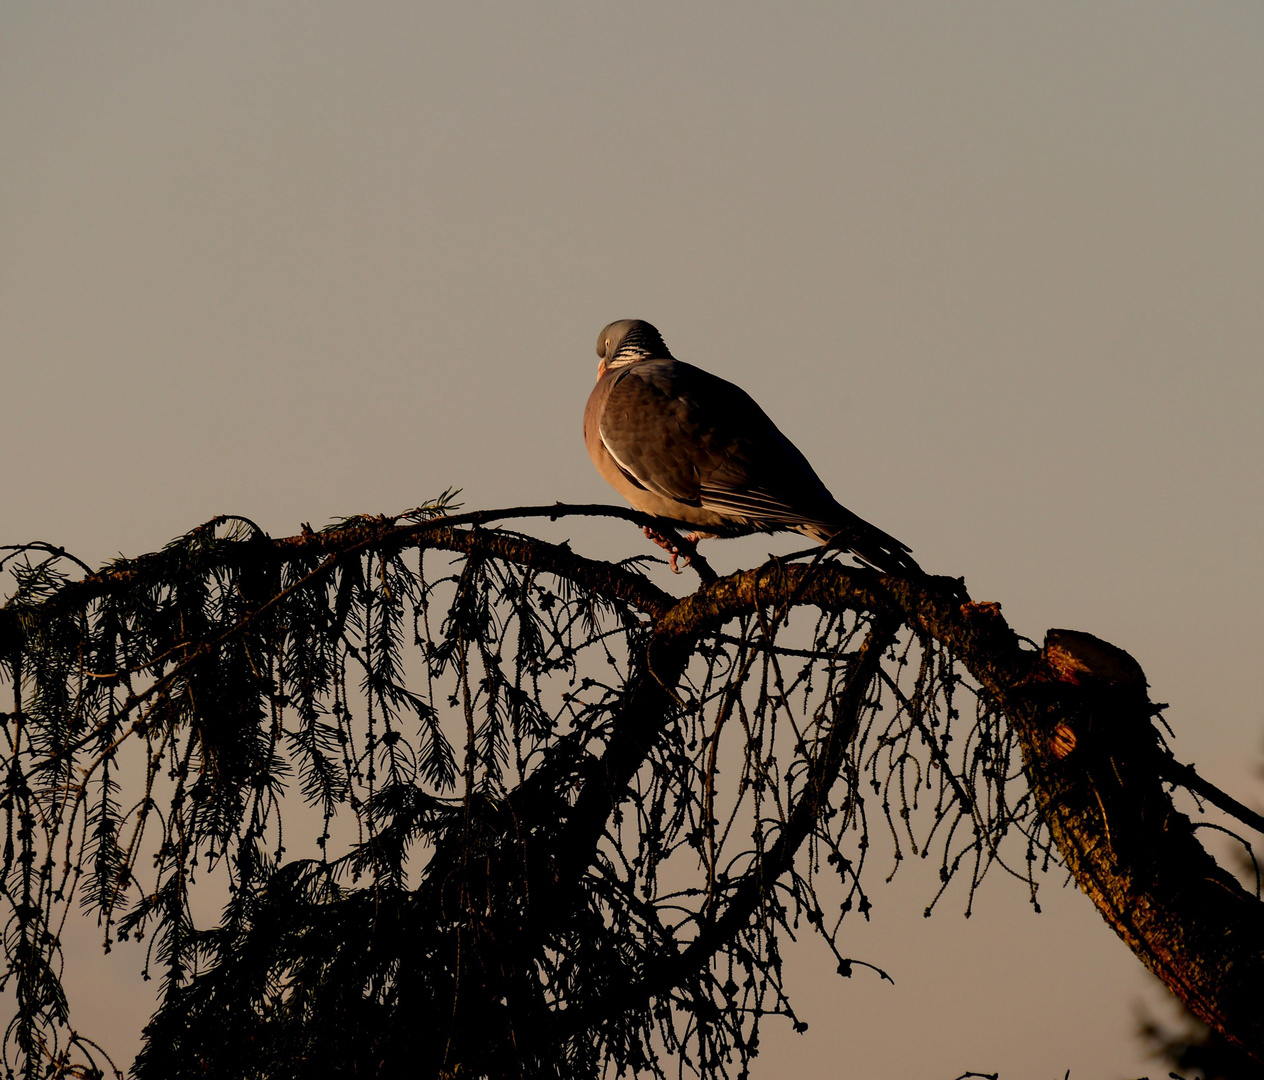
(995,267)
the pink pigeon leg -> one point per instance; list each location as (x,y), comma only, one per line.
(687,546)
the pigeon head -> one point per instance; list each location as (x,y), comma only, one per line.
(626,342)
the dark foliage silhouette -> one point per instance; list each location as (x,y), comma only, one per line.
(476,805)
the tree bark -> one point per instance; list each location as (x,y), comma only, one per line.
(1084,717)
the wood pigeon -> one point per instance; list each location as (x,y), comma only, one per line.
(695,450)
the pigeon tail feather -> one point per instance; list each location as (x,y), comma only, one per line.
(866,542)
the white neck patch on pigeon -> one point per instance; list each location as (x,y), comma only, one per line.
(627,355)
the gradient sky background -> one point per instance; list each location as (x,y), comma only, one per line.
(998,269)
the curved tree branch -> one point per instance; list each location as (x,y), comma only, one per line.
(1129,849)
(357,535)
(1079,708)
(757,884)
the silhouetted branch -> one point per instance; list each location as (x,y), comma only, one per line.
(1187,777)
(591,706)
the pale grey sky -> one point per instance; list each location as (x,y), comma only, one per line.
(996,268)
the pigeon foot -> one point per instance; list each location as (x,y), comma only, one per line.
(688,547)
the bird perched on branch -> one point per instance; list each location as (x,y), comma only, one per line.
(696,451)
